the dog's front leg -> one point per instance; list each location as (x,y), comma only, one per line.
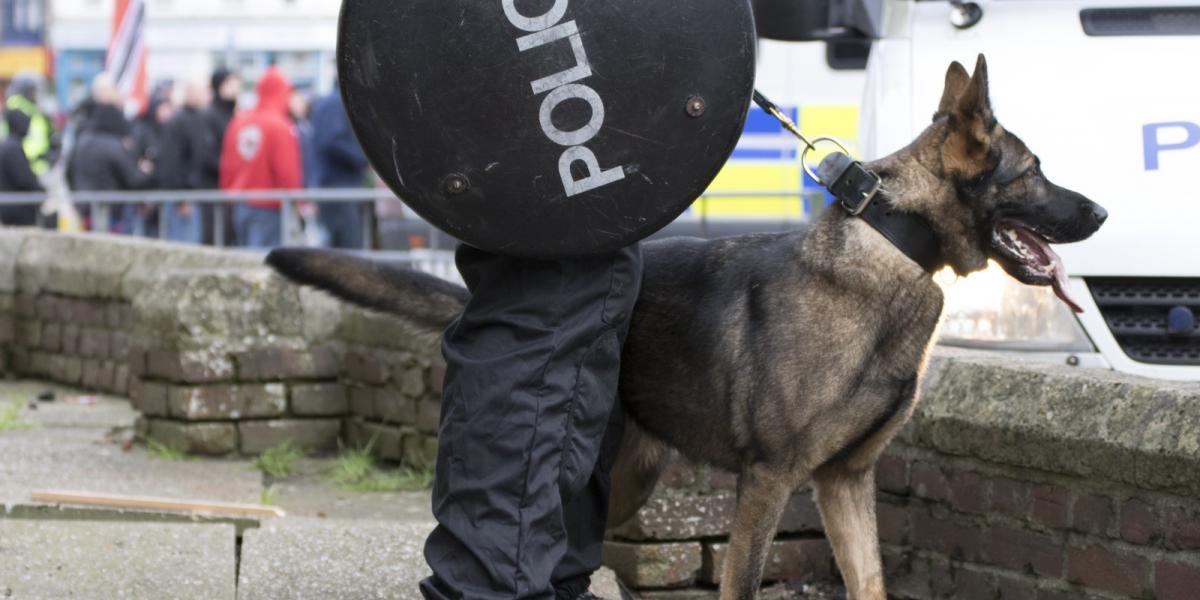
(847,501)
(763,494)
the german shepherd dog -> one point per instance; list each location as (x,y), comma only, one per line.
(792,357)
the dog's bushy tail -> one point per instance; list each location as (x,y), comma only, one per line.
(640,462)
(425,300)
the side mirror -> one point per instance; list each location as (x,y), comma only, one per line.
(818,20)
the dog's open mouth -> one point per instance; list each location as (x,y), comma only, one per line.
(1027,256)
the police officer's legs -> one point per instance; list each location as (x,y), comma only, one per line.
(531,384)
(585,515)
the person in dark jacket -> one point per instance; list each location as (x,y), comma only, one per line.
(183,163)
(226,89)
(149,128)
(149,133)
(340,163)
(101,160)
(16,174)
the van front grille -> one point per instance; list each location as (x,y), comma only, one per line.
(1177,20)
(1136,311)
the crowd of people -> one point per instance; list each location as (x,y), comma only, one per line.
(192,136)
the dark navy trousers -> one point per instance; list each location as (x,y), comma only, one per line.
(530,425)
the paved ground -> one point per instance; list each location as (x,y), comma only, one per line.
(54,559)
(307,560)
(333,543)
(77,443)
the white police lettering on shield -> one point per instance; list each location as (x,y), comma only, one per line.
(546,29)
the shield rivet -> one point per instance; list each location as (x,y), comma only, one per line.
(696,106)
(455,184)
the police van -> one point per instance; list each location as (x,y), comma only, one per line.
(1102,91)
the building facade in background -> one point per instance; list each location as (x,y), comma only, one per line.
(187,39)
(23,39)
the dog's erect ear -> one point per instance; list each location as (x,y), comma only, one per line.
(970,117)
(956,81)
(974,100)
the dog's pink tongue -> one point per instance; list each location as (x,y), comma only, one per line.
(1050,258)
(1061,287)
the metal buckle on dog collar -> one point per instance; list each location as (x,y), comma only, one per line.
(850,182)
(865,196)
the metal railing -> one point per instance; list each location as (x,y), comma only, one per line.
(101,203)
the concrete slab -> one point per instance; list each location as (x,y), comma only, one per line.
(84,460)
(346,559)
(311,493)
(332,559)
(71,446)
(51,560)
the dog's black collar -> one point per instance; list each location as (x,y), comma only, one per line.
(909,232)
(860,194)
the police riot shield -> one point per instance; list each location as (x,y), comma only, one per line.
(547,128)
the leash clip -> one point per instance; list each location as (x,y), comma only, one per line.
(853,185)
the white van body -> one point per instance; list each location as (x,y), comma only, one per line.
(1116,118)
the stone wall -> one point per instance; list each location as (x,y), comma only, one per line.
(224,365)
(1014,480)
(66,302)
(1029,481)
(219,354)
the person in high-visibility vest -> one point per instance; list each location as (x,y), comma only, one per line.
(38,143)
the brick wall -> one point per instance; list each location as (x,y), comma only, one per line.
(395,403)
(244,402)
(960,528)
(1030,481)
(77,341)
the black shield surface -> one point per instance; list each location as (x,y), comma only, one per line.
(547,128)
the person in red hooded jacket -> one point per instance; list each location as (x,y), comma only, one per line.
(262,152)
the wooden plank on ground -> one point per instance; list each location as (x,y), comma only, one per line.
(149,503)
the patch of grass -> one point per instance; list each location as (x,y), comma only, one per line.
(279,461)
(10,418)
(403,480)
(357,471)
(163,451)
(353,465)
(269,497)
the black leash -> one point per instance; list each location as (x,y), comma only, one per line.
(860,193)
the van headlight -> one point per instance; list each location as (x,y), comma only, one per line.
(991,310)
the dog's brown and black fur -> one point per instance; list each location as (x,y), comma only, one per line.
(787,358)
